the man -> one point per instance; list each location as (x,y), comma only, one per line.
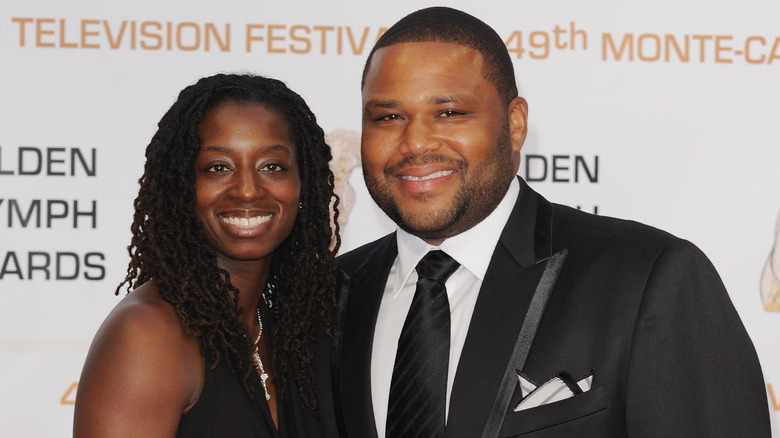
(559,323)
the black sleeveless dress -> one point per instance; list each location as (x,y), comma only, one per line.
(225,410)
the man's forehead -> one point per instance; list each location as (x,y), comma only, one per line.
(403,52)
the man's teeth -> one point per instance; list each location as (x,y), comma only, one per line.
(246,221)
(432,175)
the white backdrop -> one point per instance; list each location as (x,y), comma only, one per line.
(657,111)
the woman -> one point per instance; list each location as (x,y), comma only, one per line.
(232,275)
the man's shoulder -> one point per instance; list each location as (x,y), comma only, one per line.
(571,225)
(352,260)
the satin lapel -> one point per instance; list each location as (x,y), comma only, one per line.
(357,334)
(512,277)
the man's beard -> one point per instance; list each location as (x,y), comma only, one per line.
(481,190)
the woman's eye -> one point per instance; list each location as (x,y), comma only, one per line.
(272,167)
(217,168)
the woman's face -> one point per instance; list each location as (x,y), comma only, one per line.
(247,184)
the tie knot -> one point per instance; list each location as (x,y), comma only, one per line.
(436,266)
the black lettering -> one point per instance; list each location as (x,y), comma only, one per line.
(51,160)
(579,162)
(89,170)
(35,207)
(528,159)
(38,160)
(556,168)
(4,172)
(88,264)
(595,208)
(31,266)
(11,266)
(60,263)
(91,213)
(50,213)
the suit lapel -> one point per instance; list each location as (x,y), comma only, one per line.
(355,338)
(515,269)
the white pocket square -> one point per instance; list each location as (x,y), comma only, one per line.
(556,389)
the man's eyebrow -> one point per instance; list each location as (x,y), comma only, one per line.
(433,100)
(376,103)
(451,98)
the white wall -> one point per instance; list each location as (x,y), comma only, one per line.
(688,145)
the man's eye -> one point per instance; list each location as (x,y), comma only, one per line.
(389,117)
(450,113)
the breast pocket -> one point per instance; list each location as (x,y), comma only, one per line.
(575,409)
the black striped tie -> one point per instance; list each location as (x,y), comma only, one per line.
(418,389)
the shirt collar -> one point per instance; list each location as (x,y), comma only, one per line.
(473,248)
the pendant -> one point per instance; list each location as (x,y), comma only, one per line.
(263,378)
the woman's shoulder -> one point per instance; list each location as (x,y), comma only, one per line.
(143,311)
(144,328)
(141,366)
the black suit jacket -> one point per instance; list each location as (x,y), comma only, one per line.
(643,310)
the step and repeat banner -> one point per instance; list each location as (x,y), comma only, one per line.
(656,111)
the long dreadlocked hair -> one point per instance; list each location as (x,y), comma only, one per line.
(169,245)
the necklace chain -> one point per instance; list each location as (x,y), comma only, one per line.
(258,361)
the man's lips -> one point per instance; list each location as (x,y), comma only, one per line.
(437,174)
(421,180)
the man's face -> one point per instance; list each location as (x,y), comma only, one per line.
(439,148)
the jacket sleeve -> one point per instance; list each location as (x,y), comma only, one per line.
(693,370)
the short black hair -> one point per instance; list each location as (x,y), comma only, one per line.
(447,25)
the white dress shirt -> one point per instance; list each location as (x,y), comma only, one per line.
(473,249)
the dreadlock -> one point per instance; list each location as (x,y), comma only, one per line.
(169,245)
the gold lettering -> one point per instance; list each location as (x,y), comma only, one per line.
(627,44)
(775,400)
(641,47)
(748,43)
(544,44)
(211,31)
(63,43)
(169,36)
(670,41)
(305,40)
(250,37)
(517,49)
(114,43)
(702,41)
(719,48)
(272,38)
(145,32)
(87,33)
(557,31)
(22,22)
(357,49)
(323,30)
(574,34)
(775,51)
(132,34)
(40,32)
(69,398)
(179,38)
(339,40)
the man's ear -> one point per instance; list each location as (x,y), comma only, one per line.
(517,115)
